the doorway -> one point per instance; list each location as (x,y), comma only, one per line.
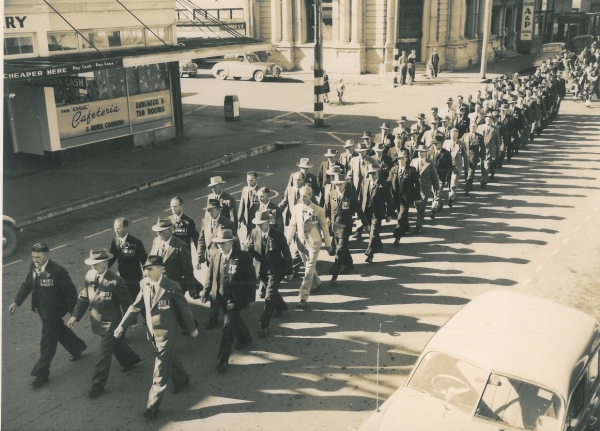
(410,26)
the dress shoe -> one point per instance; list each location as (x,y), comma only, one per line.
(211,324)
(263,332)
(432,215)
(178,389)
(483,184)
(128,367)
(222,366)
(450,203)
(301,305)
(76,357)
(239,345)
(39,382)
(396,242)
(492,175)
(151,413)
(96,390)
(357,236)
(419,231)
(369,258)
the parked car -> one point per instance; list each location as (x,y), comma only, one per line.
(190,68)
(549,51)
(577,44)
(505,361)
(9,236)
(247,66)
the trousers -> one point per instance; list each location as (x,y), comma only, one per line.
(166,365)
(403,225)
(375,243)
(309,254)
(421,207)
(273,299)
(109,346)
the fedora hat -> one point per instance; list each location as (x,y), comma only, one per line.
(438,140)
(434,108)
(402,119)
(449,100)
(421,116)
(335,169)
(98,255)
(213,203)
(261,217)
(330,153)
(366,135)
(339,179)
(224,235)
(349,143)
(421,148)
(402,154)
(162,224)
(215,180)
(304,163)
(154,261)
(362,147)
(379,147)
(372,169)
(384,126)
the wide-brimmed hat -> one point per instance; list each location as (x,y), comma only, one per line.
(420,116)
(379,147)
(213,203)
(421,148)
(261,217)
(402,154)
(372,168)
(366,135)
(338,179)
(224,235)
(98,255)
(215,180)
(162,224)
(335,169)
(349,143)
(384,126)
(489,115)
(154,260)
(449,100)
(434,108)
(330,153)
(415,132)
(362,147)
(304,163)
(463,108)
(402,119)
(505,106)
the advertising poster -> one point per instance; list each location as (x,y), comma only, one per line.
(150,106)
(92,117)
(527,20)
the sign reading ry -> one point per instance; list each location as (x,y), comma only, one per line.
(527,20)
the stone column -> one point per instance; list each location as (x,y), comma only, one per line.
(462,19)
(345,13)
(428,24)
(357,20)
(275,21)
(455,15)
(286,21)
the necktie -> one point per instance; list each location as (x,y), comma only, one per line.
(297,196)
(264,243)
(37,272)
(153,292)
(422,164)
(96,282)
(213,225)
(163,249)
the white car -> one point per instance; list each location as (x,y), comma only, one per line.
(246,66)
(505,361)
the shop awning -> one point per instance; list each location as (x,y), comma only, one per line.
(68,64)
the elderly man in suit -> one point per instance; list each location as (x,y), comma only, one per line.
(377,204)
(264,204)
(380,137)
(442,161)
(428,180)
(340,206)
(163,301)
(420,126)
(210,226)
(327,165)
(184,228)
(107,297)
(53,295)
(291,196)
(458,155)
(309,179)
(346,157)
(492,143)
(401,131)
(382,160)
(308,229)
(475,151)
(130,255)
(248,200)
(230,285)
(359,167)
(273,261)
(227,202)
(404,181)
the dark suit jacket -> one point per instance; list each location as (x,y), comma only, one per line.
(475,148)
(442,162)
(286,205)
(185,230)
(205,241)
(322,174)
(53,296)
(247,201)
(309,180)
(405,188)
(106,303)
(130,258)
(228,206)
(161,314)
(340,208)
(242,283)
(276,220)
(276,258)
(381,203)
(178,264)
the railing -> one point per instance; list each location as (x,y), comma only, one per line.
(202,15)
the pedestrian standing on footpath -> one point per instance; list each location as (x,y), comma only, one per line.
(412,65)
(184,228)
(163,301)
(53,295)
(435,62)
(403,66)
(107,297)
(326,87)
(230,286)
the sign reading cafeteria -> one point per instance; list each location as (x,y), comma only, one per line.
(527,20)
(92,117)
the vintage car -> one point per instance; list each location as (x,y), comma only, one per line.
(505,361)
(247,66)
(9,235)
(188,68)
(549,51)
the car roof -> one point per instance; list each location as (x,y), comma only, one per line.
(523,336)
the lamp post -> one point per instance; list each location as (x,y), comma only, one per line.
(318,65)
(487,23)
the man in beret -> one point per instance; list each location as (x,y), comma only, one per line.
(53,295)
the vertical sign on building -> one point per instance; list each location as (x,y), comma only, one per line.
(527,20)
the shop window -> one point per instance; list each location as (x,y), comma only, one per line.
(18,45)
(162,32)
(310,21)
(496,14)
(62,41)
(327,10)
(147,79)
(101,85)
(113,39)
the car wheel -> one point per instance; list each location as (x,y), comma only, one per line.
(9,240)
(221,74)
(237,78)
(259,76)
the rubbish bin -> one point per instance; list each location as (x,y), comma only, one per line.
(232,108)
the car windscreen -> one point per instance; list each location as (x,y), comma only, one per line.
(520,405)
(551,48)
(252,58)
(450,379)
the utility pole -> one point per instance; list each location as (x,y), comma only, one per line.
(318,66)
(487,23)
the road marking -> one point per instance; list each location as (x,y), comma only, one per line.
(335,137)
(526,282)
(12,263)
(201,197)
(342,133)
(197,109)
(60,246)
(305,116)
(554,252)
(320,145)
(294,112)
(97,233)
(566,240)
(539,268)
(576,229)
(140,219)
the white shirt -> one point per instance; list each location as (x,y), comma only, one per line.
(100,276)
(122,240)
(41,269)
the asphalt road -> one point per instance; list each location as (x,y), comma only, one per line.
(535,230)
